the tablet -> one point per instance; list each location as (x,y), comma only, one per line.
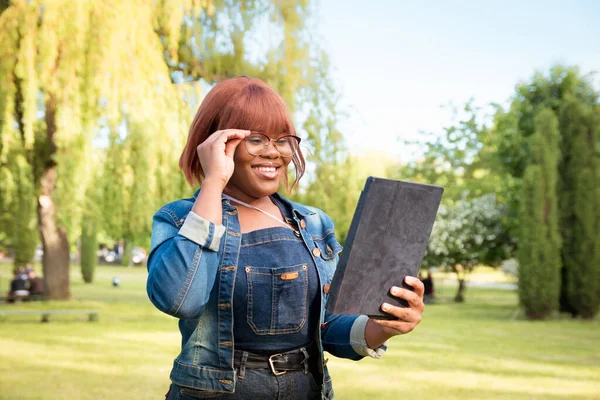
(386,241)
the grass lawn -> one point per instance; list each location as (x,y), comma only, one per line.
(475,350)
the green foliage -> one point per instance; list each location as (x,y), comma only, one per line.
(333,167)
(89,248)
(539,253)
(6,194)
(462,159)
(23,221)
(468,233)
(580,206)
(575,102)
(518,123)
(335,189)
(473,225)
(129,75)
(91,221)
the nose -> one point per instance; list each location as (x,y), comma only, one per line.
(270,151)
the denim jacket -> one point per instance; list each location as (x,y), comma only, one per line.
(191,273)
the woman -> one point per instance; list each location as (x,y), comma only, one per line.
(247,271)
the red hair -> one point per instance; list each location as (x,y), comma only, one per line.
(237,103)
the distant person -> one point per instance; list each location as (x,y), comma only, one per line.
(18,286)
(429,291)
(28,269)
(23,273)
(121,250)
(37,286)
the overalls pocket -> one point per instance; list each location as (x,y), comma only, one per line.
(277,299)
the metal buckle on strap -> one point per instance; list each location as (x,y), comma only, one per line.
(273,367)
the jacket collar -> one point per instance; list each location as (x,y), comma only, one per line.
(296,208)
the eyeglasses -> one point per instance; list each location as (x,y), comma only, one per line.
(257,143)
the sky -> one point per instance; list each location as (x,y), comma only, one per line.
(396,63)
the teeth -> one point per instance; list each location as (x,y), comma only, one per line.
(266,169)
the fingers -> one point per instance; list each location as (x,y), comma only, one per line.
(416,284)
(407,318)
(230,146)
(225,135)
(414,299)
(224,140)
(403,314)
(397,326)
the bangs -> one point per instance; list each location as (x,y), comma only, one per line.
(258,108)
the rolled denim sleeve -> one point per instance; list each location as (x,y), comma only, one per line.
(335,336)
(359,343)
(202,232)
(344,336)
(182,264)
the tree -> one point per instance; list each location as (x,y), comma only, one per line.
(45,72)
(462,159)
(540,242)
(89,248)
(466,234)
(580,207)
(473,225)
(121,73)
(574,100)
(91,220)
(324,146)
(18,220)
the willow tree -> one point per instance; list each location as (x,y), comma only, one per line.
(215,41)
(17,206)
(127,74)
(331,183)
(75,66)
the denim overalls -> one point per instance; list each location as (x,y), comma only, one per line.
(191,273)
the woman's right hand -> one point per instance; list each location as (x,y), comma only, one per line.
(216,154)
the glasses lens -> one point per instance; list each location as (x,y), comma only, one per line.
(287,146)
(255,144)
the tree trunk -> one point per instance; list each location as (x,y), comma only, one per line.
(55,260)
(460,294)
(54,241)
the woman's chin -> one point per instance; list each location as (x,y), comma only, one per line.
(256,189)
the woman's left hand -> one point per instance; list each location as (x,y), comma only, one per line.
(408,317)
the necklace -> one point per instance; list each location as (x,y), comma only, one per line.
(262,211)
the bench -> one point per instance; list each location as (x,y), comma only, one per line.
(18,299)
(92,315)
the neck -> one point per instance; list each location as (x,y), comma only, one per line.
(240,195)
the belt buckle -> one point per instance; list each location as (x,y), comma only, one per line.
(273,367)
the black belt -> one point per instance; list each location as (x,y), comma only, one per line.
(279,364)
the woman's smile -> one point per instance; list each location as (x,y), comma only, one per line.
(267,170)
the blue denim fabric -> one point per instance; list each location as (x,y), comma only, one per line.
(259,385)
(193,280)
(276,297)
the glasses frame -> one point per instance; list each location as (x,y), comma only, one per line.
(273,141)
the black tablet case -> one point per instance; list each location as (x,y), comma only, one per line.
(386,241)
